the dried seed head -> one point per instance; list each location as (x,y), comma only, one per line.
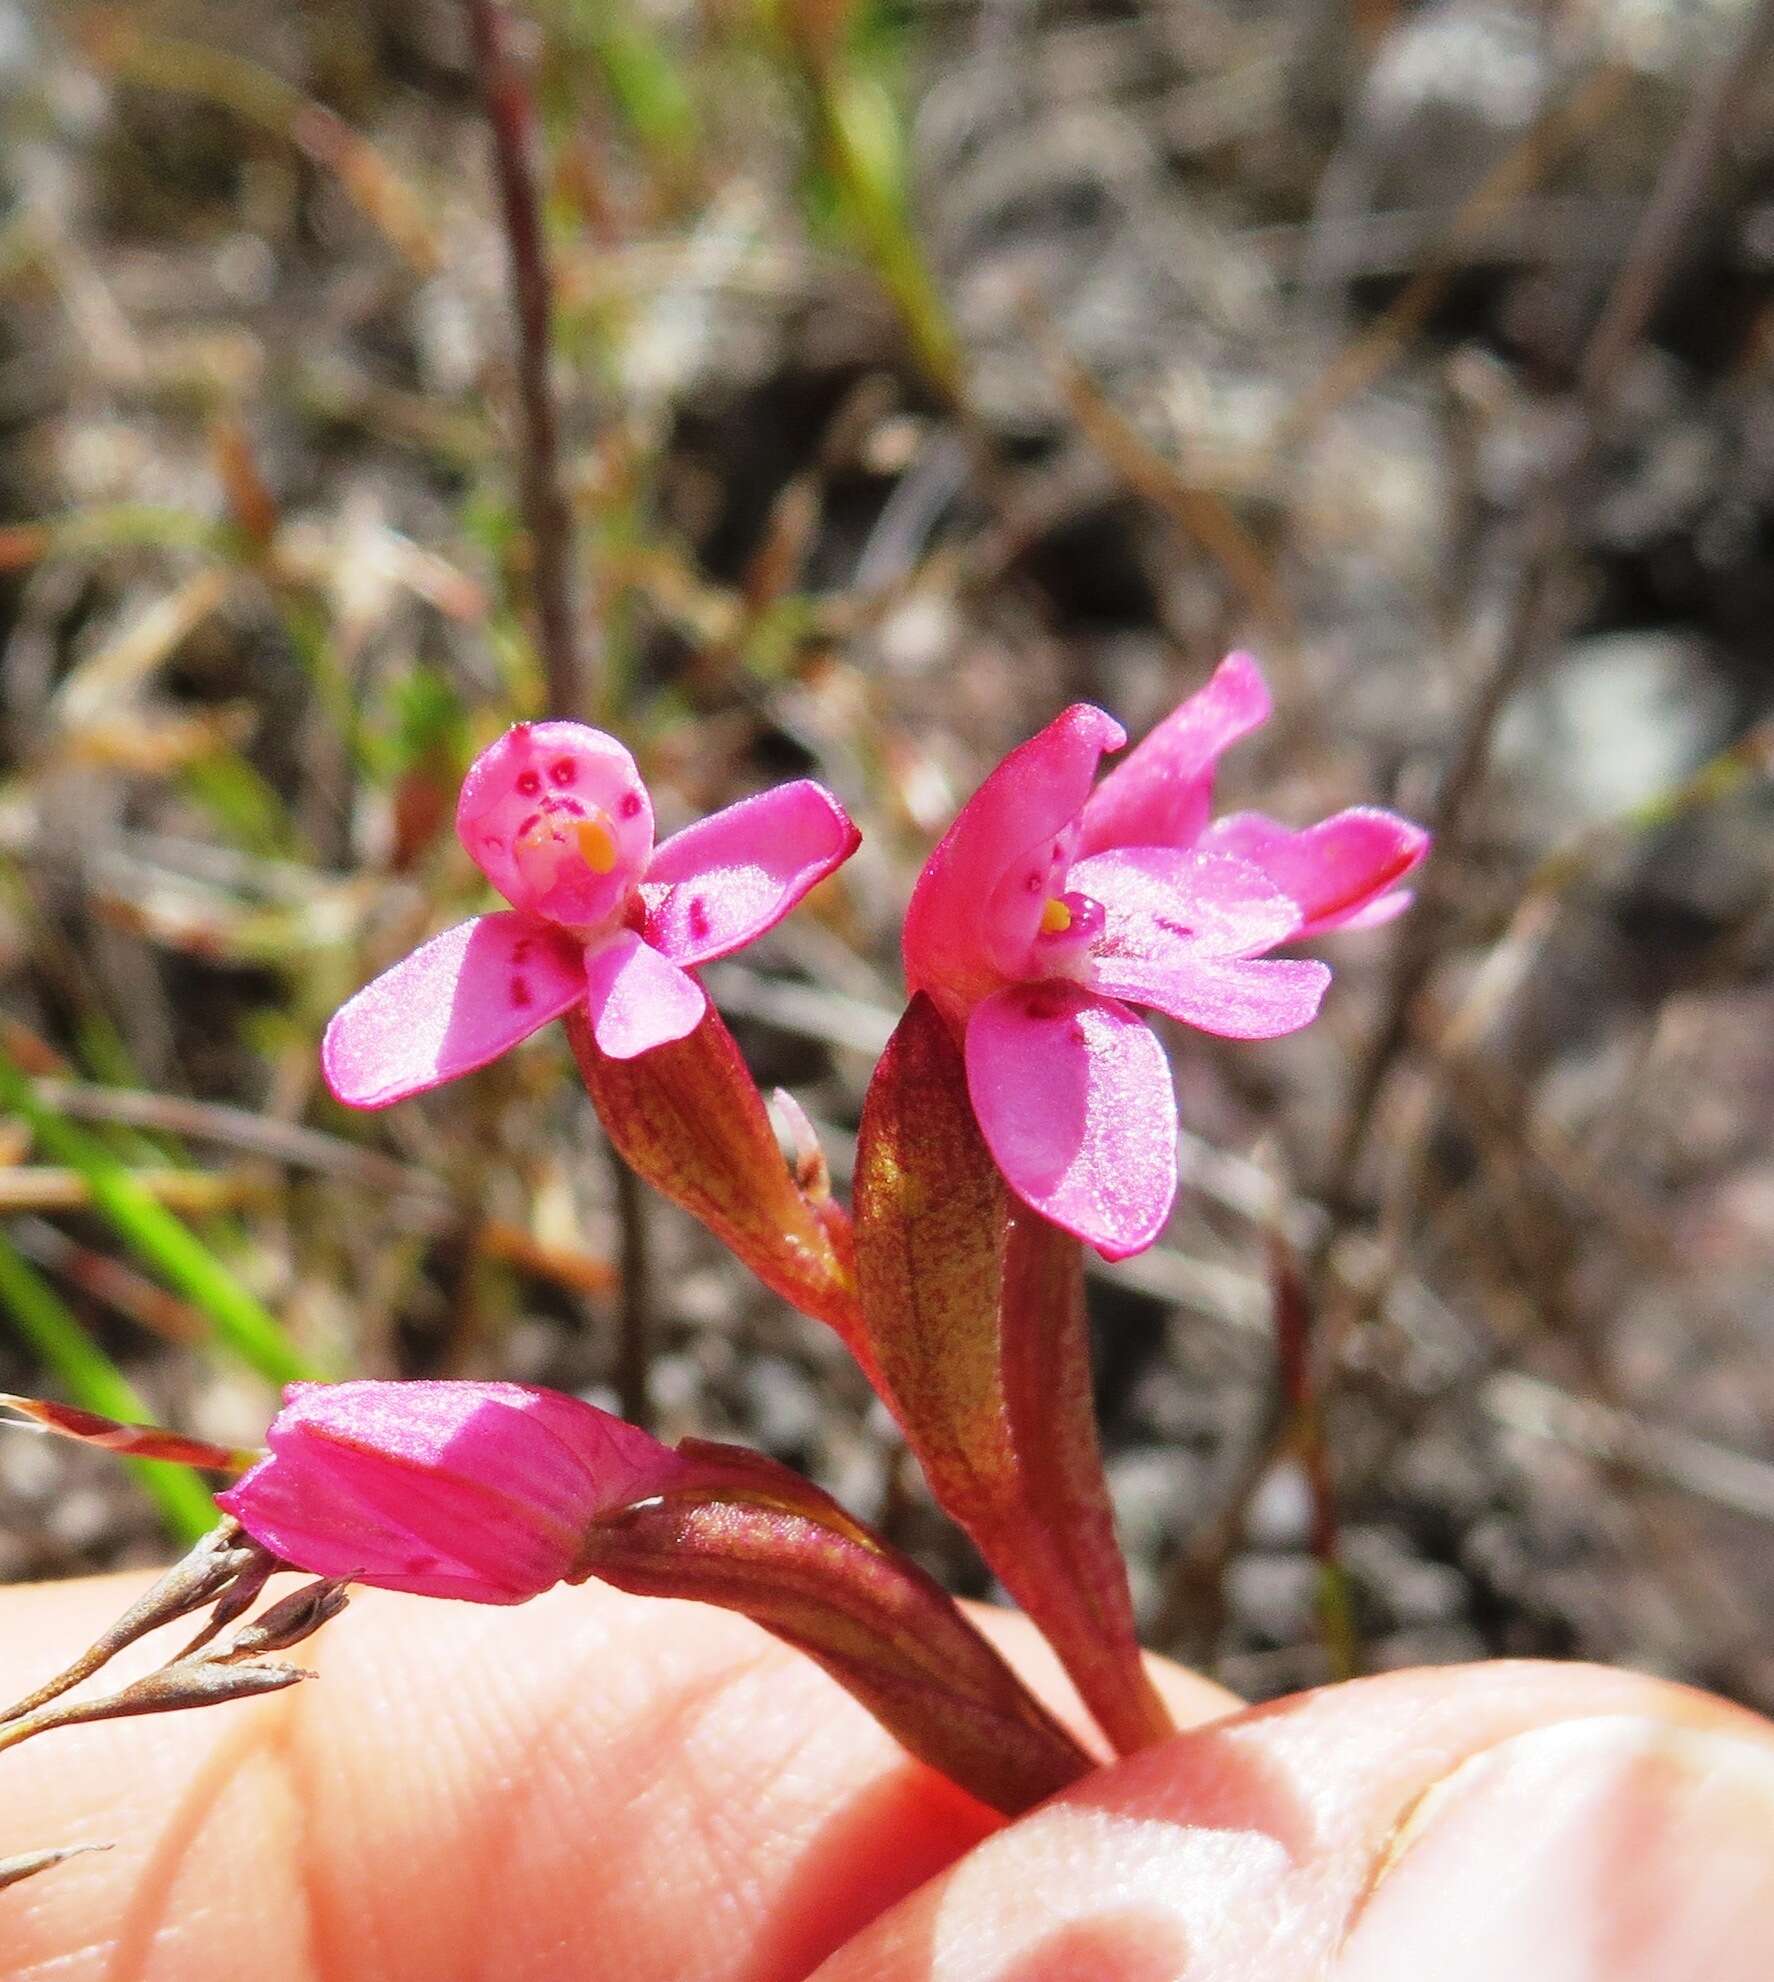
(224,1558)
(288,1621)
(28,1863)
(208,1683)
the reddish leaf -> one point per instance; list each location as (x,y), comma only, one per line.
(975,1327)
(134,1441)
(754,1537)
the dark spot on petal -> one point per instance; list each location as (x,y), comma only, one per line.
(520,991)
(529,783)
(522,948)
(698,916)
(631,804)
(1035,882)
(563,770)
(529,825)
(1075,1034)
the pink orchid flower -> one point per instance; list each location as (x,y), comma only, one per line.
(481,1491)
(557,818)
(1050,908)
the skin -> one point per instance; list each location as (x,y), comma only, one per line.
(598,1786)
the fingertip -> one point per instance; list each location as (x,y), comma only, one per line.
(1260,1843)
(1620,1848)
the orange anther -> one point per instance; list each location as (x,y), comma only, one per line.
(597,844)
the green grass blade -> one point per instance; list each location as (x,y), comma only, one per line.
(241,1321)
(95,1383)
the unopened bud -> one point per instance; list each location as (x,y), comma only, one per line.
(289,1620)
(811,1171)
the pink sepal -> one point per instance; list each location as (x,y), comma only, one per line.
(457,1002)
(1161,792)
(723,881)
(1339,871)
(978,900)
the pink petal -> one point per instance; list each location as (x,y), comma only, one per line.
(1380,911)
(1338,871)
(1159,903)
(1161,792)
(1237,998)
(522,802)
(637,998)
(457,1002)
(1073,1096)
(978,901)
(481,1491)
(720,883)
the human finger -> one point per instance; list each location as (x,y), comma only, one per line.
(592,1784)
(1564,1822)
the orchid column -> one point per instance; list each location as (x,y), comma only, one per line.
(1024,1107)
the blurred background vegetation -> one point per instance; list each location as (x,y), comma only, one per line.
(921,367)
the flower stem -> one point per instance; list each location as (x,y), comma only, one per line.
(1085,1607)
(975,1336)
(511,119)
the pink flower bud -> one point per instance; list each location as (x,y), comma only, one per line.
(482,1491)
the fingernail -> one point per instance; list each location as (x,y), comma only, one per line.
(1614,1849)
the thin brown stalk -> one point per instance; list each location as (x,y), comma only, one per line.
(510,112)
(511,119)
(1296,1359)
(634,1339)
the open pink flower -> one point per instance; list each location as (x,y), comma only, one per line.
(556,817)
(483,1491)
(1050,908)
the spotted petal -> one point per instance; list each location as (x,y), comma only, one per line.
(1161,792)
(1160,903)
(1073,1096)
(638,999)
(457,1002)
(718,884)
